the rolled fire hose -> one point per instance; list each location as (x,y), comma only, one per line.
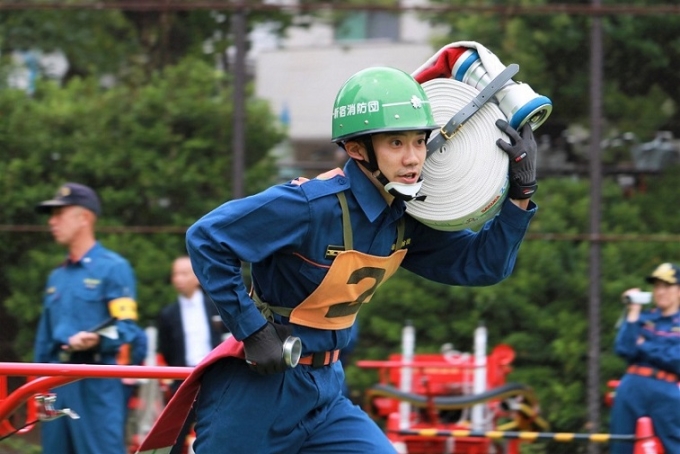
(466,180)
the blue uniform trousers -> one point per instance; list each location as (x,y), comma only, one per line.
(299,411)
(100,429)
(638,396)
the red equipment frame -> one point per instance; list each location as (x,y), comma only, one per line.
(440,396)
(41,378)
(437,381)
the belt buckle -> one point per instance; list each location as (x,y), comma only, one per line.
(319,359)
(64,356)
(445,133)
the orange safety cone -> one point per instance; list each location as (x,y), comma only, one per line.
(645,440)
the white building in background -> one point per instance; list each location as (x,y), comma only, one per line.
(300,74)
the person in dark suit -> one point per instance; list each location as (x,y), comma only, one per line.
(188,329)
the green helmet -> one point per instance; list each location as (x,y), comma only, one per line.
(380,99)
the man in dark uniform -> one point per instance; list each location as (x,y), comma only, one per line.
(318,251)
(92,286)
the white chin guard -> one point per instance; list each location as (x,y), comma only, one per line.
(404,191)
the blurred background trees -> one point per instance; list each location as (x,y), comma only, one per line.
(157,154)
(641,87)
(143,113)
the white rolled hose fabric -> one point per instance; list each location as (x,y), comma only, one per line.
(466,180)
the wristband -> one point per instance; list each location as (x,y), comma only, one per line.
(522,192)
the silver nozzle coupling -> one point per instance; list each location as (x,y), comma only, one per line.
(292,349)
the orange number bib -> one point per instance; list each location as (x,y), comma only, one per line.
(351,281)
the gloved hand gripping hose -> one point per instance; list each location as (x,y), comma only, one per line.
(272,349)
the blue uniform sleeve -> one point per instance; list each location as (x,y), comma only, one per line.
(140,344)
(662,351)
(120,284)
(47,340)
(43,344)
(625,344)
(470,258)
(277,218)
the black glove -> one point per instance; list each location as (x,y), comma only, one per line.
(264,348)
(522,153)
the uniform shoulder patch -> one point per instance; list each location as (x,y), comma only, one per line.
(327,183)
(323,176)
(330,174)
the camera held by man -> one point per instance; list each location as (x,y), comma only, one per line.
(635,296)
(648,340)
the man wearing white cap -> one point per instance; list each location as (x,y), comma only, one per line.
(650,343)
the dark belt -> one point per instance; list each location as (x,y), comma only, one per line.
(80,357)
(653,373)
(320,359)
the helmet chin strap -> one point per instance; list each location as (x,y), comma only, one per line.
(401,191)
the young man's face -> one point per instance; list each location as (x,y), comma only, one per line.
(66,223)
(666,296)
(401,155)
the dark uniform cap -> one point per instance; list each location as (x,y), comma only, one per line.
(666,272)
(72,194)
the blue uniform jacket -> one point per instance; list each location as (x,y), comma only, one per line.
(284,231)
(661,346)
(76,299)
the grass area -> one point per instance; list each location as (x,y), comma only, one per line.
(18,445)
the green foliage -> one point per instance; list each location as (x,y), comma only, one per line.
(16,445)
(157,147)
(95,42)
(552,51)
(638,114)
(130,45)
(158,155)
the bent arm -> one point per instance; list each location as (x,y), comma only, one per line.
(470,258)
(625,344)
(244,230)
(662,352)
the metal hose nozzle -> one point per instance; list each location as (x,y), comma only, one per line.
(292,349)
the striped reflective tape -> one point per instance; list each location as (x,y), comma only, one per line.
(529,436)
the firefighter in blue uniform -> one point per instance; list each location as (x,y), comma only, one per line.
(650,342)
(91,287)
(318,251)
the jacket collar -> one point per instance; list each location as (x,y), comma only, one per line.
(368,196)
